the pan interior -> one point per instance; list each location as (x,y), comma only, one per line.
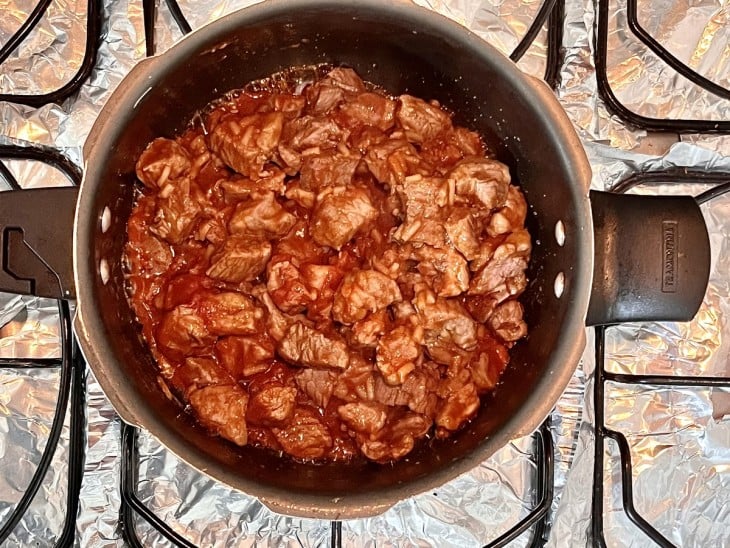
(403,49)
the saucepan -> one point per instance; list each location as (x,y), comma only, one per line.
(598,258)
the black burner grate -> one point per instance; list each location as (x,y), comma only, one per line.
(625,113)
(72,384)
(93,37)
(536,520)
(721,185)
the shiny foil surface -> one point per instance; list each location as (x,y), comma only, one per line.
(679,438)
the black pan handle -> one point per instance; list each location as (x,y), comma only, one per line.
(652,258)
(37,241)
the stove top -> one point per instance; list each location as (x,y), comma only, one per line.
(636,452)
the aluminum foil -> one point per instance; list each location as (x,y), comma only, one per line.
(685,496)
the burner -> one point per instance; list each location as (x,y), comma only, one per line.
(720,185)
(72,384)
(609,96)
(93,37)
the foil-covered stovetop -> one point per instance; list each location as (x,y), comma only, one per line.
(679,437)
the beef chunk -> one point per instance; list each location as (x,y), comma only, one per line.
(222,408)
(423,200)
(481,181)
(367,109)
(229,313)
(261,218)
(340,214)
(246,143)
(507,322)
(305,346)
(462,232)
(163,160)
(329,169)
(420,120)
(361,292)
(178,208)
(240,260)
(317,384)
(393,160)
(398,354)
(245,356)
(183,332)
(272,406)
(364,417)
(448,328)
(304,436)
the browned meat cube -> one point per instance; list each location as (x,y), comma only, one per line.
(418,391)
(512,216)
(240,260)
(462,232)
(237,188)
(420,120)
(246,143)
(367,332)
(261,218)
(488,361)
(287,287)
(398,439)
(340,214)
(304,437)
(229,313)
(367,109)
(307,133)
(305,346)
(448,328)
(277,323)
(393,160)
(445,270)
(183,332)
(459,404)
(507,322)
(423,199)
(273,405)
(178,208)
(481,181)
(398,353)
(197,372)
(323,96)
(346,79)
(364,417)
(504,275)
(163,160)
(148,255)
(317,384)
(357,382)
(329,169)
(361,292)
(450,147)
(245,356)
(222,408)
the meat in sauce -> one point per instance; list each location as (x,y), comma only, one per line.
(328,271)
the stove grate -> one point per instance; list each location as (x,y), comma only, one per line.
(613,103)
(94,15)
(721,185)
(536,519)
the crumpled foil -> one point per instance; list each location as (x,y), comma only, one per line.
(680,438)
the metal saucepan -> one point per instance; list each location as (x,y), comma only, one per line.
(650,260)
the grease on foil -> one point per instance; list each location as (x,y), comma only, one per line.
(686,496)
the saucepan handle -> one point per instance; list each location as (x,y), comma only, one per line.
(652,258)
(36,237)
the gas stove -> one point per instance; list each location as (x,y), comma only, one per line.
(637,450)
